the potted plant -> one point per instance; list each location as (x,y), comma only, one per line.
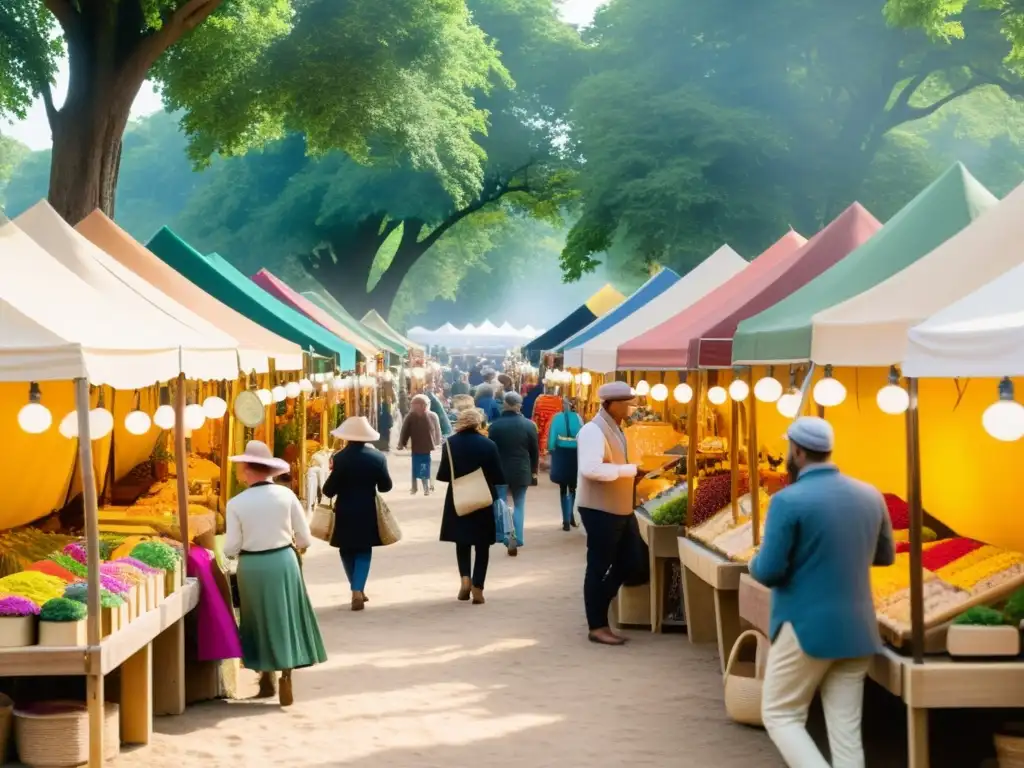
(17,621)
(982,632)
(162,459)
(113,608)
(62,623)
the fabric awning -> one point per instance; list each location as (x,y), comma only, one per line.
(372,319)
(207,353)
(871,328)
(655,286)
(217,277)
(600,352)
(667,346)
(981,335)
(256,343)
(601,303)
(783,333)
(332,307)
(280,290)
(54,326)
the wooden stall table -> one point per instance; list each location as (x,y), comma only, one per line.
(938,683)
(662,549)
(149,651)
(711,596)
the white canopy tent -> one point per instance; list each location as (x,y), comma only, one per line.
(484,336)
(870,329)
(599,353)
(981,335)
(207,353)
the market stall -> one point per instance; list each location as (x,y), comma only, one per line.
(374,321)
(332,307)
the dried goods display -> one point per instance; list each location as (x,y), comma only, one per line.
(732,539)
(671,512)
(713,494)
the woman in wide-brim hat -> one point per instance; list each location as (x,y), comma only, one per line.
(358,473)
(265,525)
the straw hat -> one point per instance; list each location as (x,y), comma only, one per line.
(258,453)
(471,418)
(356,429)
(462,402)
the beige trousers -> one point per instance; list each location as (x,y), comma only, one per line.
(791,680)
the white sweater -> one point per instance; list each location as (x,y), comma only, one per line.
(265,517)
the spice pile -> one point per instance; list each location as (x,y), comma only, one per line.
(733,540)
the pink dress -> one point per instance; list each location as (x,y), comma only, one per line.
(218,632)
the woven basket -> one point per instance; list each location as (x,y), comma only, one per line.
(54,734)
(1009,750)
(744,681)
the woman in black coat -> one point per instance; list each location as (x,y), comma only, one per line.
(358,472)
(474,533)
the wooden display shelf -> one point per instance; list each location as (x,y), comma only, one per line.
(711,596)
(661,547)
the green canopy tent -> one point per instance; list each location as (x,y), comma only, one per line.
(373,320)
(332,307)
(782,333)
(221,280)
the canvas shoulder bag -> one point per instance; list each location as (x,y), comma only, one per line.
(387,525)
(471,492)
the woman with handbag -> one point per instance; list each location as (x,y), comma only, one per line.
(471,465)
(359,473)
(265,526)
(564,466)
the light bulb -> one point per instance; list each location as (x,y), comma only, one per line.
(328,376)
(338,384)
(305,385)
(164,417)
(738,390)
(325,387)
(659,393)
(768,389)
(577,379)
(788,404)
(292,390)
(643,388)
(683,393)
(137,423)
(318,378)
(35,418)
(1004,420)
(829,392)
(265,396)
(586,378)
(278,393)
(195,417)
(717,395)
(101,423)
(68,426)
(893,399)
(215,407)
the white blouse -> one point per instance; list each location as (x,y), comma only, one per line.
(265,517)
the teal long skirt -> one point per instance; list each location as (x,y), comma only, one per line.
(277,625)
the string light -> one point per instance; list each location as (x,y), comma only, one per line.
(739,390)
(279,393)
(1004,419)
(138,423)
(659,393)
(829,392)
(717,395)
(292,390)
(215,407)
(643,388)
(892,398)
(34,417)
(768,389)
(195,417)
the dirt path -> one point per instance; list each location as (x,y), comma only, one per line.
(419,680)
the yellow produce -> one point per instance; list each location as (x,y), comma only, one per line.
(125,549)
(37,587)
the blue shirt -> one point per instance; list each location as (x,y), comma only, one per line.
(822,535)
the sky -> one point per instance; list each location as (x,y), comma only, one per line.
(34,130)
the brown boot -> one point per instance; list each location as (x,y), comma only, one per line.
(358,602)
(268,686)
(285,696)
(466,589)
(478,595)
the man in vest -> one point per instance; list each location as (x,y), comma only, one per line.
(604,493)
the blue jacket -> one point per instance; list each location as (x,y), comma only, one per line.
(490,408)
(822,535)
(556,429)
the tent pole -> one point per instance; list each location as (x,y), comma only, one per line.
(753,466)
(693,430)
(181,467)
(916,523)
(734,460)
(94,679)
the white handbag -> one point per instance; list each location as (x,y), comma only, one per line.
(470,493)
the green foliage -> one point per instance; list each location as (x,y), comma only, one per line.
(69,563)
(12,153)
(79,592)
(981,616)
(29,52)
(672,512)
(156,554)
(943,20)
(1014,608)
(62,609)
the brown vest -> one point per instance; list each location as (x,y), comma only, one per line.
(615,497)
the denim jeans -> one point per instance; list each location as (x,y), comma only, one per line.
(357,568)
(567,494)
(518,494)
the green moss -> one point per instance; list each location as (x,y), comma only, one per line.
(672,512)
(156,554)
(79,592)
(62,609)
(1014,610)
(69,563)
(981,616)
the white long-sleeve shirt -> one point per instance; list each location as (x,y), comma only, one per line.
(590,456)
(265,517)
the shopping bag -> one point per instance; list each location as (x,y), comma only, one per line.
(321,525)
(387,525)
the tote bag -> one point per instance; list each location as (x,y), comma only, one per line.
(321,526)
(470,492)
(387,525)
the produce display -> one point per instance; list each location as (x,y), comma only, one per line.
(720,533)
(713,495)
(672,512)
(62,609)
(13,605)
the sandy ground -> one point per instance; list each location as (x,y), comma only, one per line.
(419,680)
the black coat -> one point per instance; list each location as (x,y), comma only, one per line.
(516,438)
(470,451)
(359,471)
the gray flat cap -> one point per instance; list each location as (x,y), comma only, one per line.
(615,390)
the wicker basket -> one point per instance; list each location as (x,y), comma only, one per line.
(1009,750)
(744,680)
(54,734)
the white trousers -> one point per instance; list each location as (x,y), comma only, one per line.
(791,680)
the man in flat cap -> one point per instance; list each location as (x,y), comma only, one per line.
(822,535)
(604,493)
